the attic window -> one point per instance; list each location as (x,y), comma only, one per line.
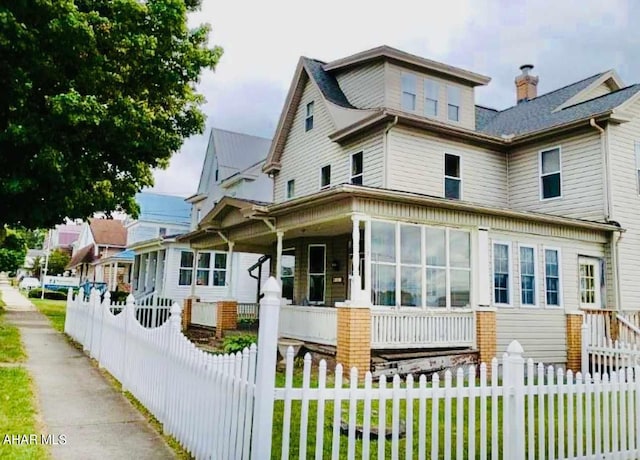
(453,103)
(308,121)
(408,91)
(431,89)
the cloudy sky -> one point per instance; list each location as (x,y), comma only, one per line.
(566,40)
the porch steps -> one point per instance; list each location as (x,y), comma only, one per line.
(421,362)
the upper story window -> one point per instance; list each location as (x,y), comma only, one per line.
(217,174)
(550,174)
(308,121)
(453,103)
(452,178)
(409,82)
(431,89)
(356,168)
(291,188)
(637,150)
(325,177)
(163,231)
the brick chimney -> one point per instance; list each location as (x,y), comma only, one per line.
(526,84)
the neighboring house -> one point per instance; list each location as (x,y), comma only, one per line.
(28,268)
(452,208)
(99,254)
(232,167)
(62,237)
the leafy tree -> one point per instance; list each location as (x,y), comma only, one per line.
(32,238)
(12,253)
(95,93)
(58,260)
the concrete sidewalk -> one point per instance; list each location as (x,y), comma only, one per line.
(75,399)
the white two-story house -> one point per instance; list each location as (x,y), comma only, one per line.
(531,213)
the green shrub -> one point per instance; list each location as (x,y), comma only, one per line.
(236,343)
(50,295)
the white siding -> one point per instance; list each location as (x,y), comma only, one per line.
(244,287)
(570,250)
(364,86)
(626,204)
(416,164)
(582,178)
(393,95)
(305,152)
(542,333)
(541,329)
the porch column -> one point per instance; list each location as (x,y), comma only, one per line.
(482,269)
(194,272)
(114,276)
(353,347)
(279,235)
(356,291)
(230,271)
(158,273)
(575,346)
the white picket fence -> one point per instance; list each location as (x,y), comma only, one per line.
(421,329)
(207,402)
(228,406)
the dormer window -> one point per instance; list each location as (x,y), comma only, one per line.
(408,92)
(453,103)
(431,89)
(308,121)
(325,177)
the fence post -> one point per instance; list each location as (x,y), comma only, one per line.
(88,329)
(266,370)
(513,407)
(129,313)
(106,304)
(584,355)
(67,317)
(174,330)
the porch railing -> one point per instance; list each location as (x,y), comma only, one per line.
(204,313)
(420,329)
(311,324)
(247,310)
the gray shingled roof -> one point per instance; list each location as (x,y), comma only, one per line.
(235,152)
(327,83)
(538,113)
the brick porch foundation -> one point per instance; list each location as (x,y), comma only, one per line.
(486,339)
(354,339)
(574,340)
(227,317)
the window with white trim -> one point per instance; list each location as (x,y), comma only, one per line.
(637,151)
(356,168)
(317,273)
(409,83)
(431,89)
(527,275)
(185,274)
(550,174)
(308,119)
(552,277)
(452,177)
(325,177)
(453,103)
(291,188)
(220,269)
(287,273)
(204,268)
(501,274)
(420,266)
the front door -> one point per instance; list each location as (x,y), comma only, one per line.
(589,273)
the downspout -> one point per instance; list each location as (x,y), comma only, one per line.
(385,177)
(607,183)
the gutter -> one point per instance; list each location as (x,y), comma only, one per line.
(385,144)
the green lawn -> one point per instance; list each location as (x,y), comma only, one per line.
(11,350)
(55,310)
